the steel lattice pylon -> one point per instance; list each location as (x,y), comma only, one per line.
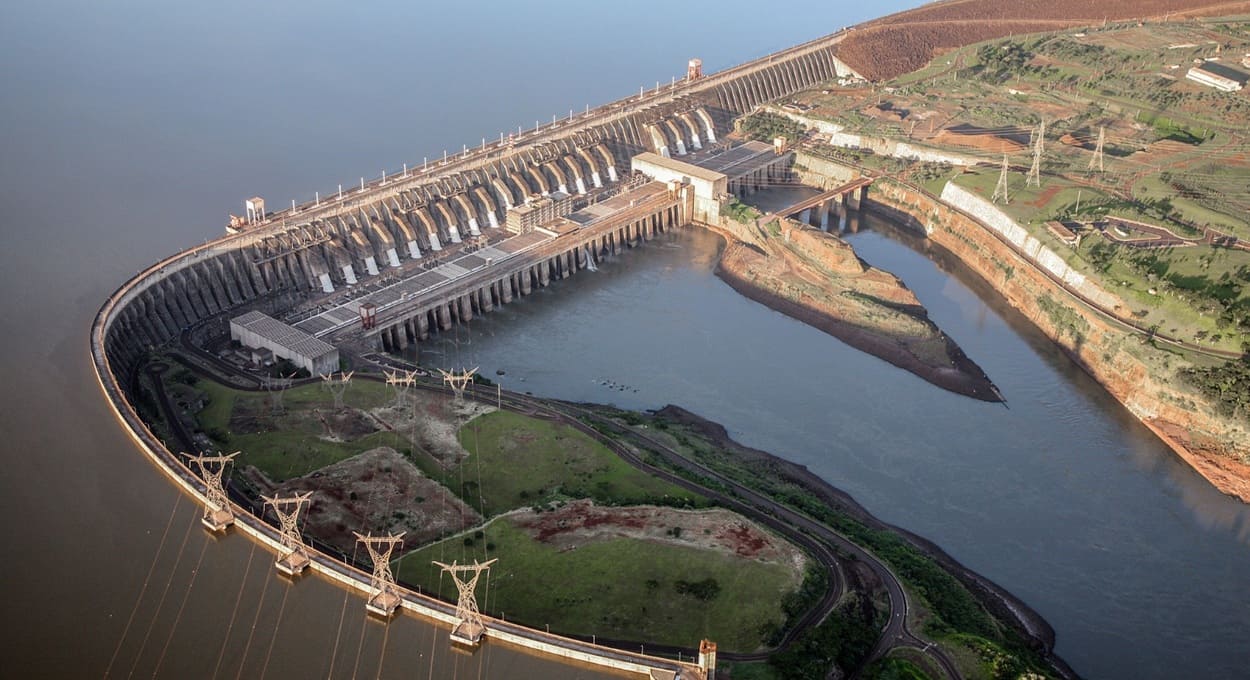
(1034,178)
(276,387)
(1000,191)
(386,598)
(401,382)
(296,558)
(1095,161)
(217,512)
(470,628)
(337,386)
(458,381)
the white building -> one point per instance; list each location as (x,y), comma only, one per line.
(1218,76)
(258,330)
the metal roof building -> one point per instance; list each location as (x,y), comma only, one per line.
(256,329)
(1219,76)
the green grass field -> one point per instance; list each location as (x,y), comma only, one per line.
(618,588)
(293,446)
(517,461)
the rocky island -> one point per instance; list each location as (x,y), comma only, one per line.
(816,277)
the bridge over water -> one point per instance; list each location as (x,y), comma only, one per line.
(817,210)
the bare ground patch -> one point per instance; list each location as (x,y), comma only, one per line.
(378,491)
(431,421)
(582,522)
(343,425)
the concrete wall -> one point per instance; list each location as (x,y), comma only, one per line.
(823,173)
(1038,254)
(107,372)
(878,145)
(706,191)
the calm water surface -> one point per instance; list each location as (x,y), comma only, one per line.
(129,130)
(1060,496)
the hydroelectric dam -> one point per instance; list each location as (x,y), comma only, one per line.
(381,265)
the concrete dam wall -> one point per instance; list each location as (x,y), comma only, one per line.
(311,251)
(319,247)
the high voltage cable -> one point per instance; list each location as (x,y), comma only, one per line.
(238,599)
(260,605)
(161,603)
(386,636)
(178,617)
(342,615)
(146,579)
(276,625)
(360,644)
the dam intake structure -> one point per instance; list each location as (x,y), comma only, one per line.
(381,266)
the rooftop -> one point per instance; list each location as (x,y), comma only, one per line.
(1217,69)
(738,161)
(283,335)
(688,169)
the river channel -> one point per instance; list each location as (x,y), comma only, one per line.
(1059,496)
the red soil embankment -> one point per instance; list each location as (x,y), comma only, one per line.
(901,43)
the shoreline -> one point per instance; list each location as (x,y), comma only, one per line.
(1000,602)
(1227,475)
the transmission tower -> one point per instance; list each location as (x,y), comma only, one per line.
(386,596)
(458,381)
(276,388)
(470,627)
(1000,191)
(401,382)
(217,512)
(287,510)
(337,386)
(1095,161)
(1035,173)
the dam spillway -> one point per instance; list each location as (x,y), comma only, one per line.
(360,235)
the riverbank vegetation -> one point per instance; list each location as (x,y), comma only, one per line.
(955,617)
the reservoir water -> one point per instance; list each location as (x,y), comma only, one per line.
(1060,496)
(128,130)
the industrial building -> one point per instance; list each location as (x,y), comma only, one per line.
(261,331)
(719,175)
(1219,76)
